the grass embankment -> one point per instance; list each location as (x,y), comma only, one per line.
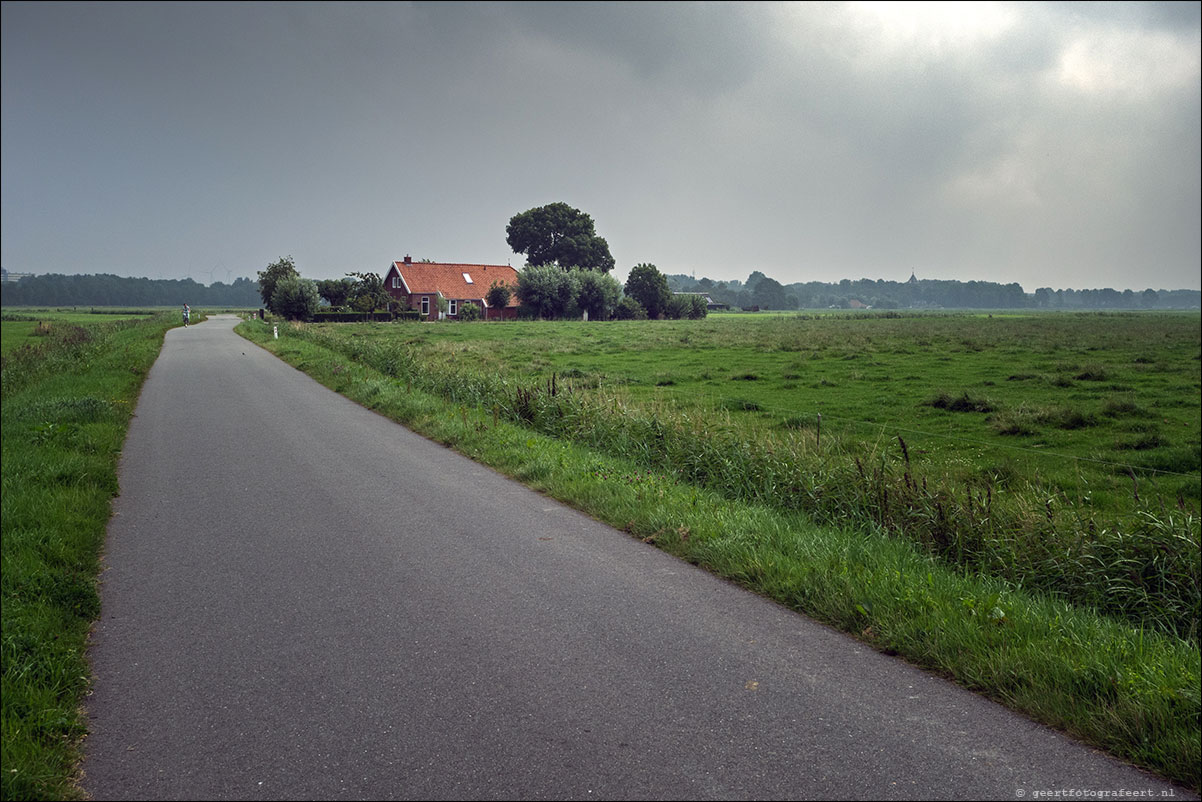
(1131,690)
(68,396)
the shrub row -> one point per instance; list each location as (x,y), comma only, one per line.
(359,317)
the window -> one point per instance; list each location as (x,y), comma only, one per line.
(425,306)
(452,307)
(468,279)
(396,282)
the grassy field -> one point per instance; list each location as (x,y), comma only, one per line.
(68,396)
(1112,393)
(23,325)
(1030,566)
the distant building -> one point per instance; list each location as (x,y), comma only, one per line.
(710,304)
(6,276)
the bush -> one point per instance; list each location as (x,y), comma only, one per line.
(629,309)
(687,307)
(295,298)
(498,295)
(470,312)
(598,293)
(549,292)
(350,317)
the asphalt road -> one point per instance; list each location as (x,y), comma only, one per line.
(303,600)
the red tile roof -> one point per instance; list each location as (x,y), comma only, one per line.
(448,279)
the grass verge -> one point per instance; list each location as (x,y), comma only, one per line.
(1132,692)
(67,402)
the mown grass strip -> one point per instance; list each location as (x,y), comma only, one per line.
(1131,692)
(67,402)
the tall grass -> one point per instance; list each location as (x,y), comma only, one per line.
(67,402)
(1142,568)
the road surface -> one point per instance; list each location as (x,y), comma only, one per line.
(303,600)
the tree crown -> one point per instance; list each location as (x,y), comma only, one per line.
(284,267)
(558,234)
(649,287)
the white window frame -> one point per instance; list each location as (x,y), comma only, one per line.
(452,307)
(425,306)
(396,282)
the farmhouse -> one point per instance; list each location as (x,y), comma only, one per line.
(419,285)
(710,304)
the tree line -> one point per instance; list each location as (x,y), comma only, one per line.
(547,292)
(108,290)
(550,292)
(762,292)
(551,295)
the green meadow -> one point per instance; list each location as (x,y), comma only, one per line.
(22,326)
(996,388)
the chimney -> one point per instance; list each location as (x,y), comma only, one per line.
(408,259)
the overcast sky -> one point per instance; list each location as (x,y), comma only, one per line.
(1053,145)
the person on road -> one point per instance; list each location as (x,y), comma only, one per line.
(187,314)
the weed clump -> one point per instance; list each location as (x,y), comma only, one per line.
(1123,408)
(1093,373)
(962,403)
(1070,419)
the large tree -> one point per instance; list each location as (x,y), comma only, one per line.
(560,235)
(649,287)
(281,269)
(768,293)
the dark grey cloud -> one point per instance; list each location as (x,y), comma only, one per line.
(1040,143)
(1180,15)
(690,45)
